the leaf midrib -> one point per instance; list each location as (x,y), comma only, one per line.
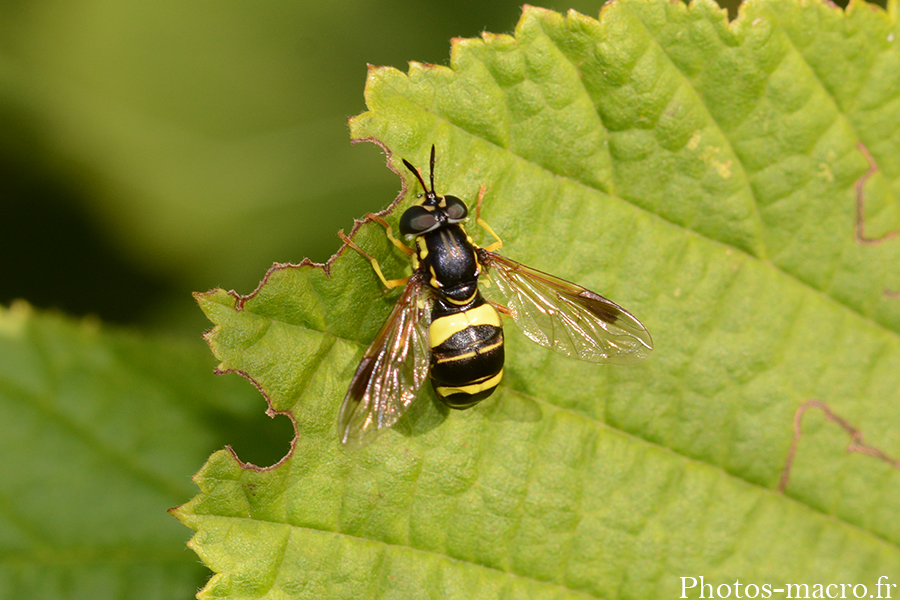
(44,404)
(415,549)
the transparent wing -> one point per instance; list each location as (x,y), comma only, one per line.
(391,372)
(566,317)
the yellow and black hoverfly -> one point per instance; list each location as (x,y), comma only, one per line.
(442,327)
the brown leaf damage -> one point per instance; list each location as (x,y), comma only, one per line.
(856,440)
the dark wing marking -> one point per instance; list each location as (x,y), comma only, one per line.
(391,372)
(566,317)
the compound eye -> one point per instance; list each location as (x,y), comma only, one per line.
(416,220)
(456,209)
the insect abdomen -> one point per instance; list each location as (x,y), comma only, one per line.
(466,352)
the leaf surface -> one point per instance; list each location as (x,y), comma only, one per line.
(99,432)
(711,178)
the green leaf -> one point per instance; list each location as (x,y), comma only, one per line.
(99,432)
(702,174)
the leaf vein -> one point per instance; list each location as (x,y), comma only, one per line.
(720,469)
(44,404)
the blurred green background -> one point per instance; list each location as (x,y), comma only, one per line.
(152,149)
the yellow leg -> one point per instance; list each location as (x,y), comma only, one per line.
(499,243)
(390,234)
(388,283)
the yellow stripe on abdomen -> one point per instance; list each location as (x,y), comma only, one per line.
(472,388)
(443,327)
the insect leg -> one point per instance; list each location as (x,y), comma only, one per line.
(503,310)
(499,243)
(390,234)
(388,283)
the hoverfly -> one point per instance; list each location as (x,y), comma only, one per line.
(443,329)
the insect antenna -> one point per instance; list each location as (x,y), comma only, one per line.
(432,167)
(430,197)
(418,175)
